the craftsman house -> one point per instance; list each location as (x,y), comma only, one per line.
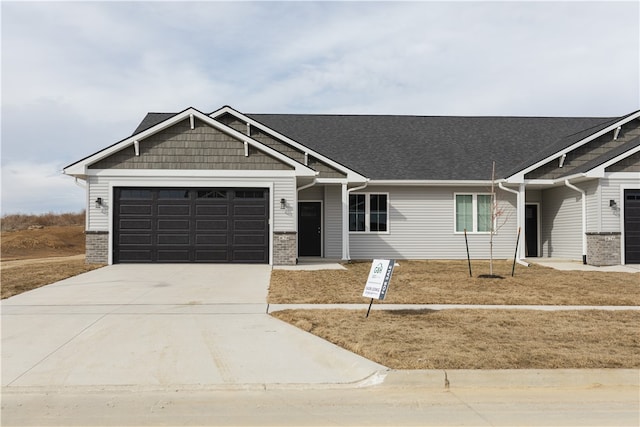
(273,188)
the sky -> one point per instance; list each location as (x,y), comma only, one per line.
(79,76)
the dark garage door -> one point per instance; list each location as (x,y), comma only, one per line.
(168,225)
(632,226)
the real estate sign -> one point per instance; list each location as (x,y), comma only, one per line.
(379,278)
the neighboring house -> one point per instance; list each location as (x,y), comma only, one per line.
(270,188)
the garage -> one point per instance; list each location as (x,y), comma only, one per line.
(179,225)
(632,226)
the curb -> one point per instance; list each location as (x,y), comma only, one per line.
(514,378)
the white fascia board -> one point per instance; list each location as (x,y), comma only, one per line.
(622,175)
(196,173)
(539,181)
(81,168)
(429,182)
(519,177)
(333,181)
(599,171)
(352,176)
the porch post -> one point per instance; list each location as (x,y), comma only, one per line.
(345,223)
(522,251)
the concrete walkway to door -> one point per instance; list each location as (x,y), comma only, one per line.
(196,326)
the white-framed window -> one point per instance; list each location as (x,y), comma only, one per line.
(369,212)
(472,212)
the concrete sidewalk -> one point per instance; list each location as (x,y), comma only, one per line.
(383,306)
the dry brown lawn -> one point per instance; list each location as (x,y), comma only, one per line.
(32,258)
(480,339)
(448,282)
(21,276)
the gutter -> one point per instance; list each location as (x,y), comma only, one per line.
(304,187)
(584,218)
(520,258)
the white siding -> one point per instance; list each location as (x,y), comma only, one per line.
(333,221)
(421,226)
(593,205)
(561,223)
(98,218)
(611,190)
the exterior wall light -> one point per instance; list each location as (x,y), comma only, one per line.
(612,204)
(283,203)
(99,202)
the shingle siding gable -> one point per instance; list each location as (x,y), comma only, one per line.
(180,147)
(591,154)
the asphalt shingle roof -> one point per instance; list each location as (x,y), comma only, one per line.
(427,147)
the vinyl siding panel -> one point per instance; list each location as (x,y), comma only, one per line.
(593,205)
(561,223)
(98,217)
(612,190)
(333,221)
(421,226)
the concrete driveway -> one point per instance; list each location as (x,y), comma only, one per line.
(164,327)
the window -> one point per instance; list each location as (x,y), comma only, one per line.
(368,212)
(473,213)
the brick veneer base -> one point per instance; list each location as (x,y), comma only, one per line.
(603,249)
(97,250)
(285,248)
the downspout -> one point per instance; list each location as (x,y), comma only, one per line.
(520,258)
(346,254)
(584,218)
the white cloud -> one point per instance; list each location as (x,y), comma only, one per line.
(37,188)
(78,76)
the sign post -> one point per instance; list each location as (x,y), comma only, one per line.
(378,280)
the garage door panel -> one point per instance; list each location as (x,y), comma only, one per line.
(141,255)
(212,210)
(135,210)
(212,239)
(247,255)
(173,239)
(242,210)
(173,224)
(221,255)
(243,225)
(175,210)
(191,225)
(135,239)
(249,239)
(135,224)
(174,255)
(218,224)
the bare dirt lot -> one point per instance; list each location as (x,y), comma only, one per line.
(36,257)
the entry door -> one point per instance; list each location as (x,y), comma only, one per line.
(632,226)
(309,229)
(531,230)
